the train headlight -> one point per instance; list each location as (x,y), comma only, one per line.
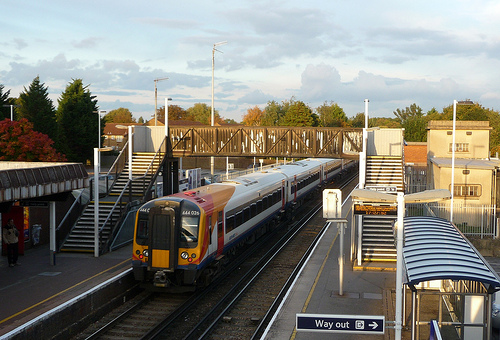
(184,255)
(193,255)
(145,252)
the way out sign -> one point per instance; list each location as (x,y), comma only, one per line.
(362,324)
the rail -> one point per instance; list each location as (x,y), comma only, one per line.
(120,161)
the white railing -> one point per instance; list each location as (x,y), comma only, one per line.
(472,220)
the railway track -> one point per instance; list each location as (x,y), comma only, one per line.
(233,306)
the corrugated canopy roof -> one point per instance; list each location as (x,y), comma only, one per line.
(435,249)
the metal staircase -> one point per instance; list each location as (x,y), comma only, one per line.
(385,173)
(81,237)
(378,239)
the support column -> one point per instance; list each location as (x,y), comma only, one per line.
(52,231)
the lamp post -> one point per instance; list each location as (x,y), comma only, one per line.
(12,106)
(97,170)
(166,117)
(453,147)
(212,111)
(156,96)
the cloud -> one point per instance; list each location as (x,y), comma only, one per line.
(256,97)
(87,43)
(19,43)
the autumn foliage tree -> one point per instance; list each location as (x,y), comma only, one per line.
(19,142)
(253,116)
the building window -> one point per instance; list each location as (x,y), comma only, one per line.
(467,190)
(459,147)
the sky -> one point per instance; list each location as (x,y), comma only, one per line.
(393,53)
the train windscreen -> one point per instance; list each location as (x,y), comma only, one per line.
(190,224)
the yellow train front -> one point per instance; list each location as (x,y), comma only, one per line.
(174,236)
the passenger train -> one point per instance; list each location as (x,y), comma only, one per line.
(181,240)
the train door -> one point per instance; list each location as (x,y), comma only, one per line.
(212,245)
(284,193)
(162,238)
(294,184)
(220,233)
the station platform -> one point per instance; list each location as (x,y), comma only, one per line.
(367,290)
(35,286)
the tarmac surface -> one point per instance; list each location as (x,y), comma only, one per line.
(36,286)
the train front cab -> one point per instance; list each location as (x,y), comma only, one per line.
(166,239)
(163,243)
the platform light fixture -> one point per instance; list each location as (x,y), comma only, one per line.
(212,116)
(156,97)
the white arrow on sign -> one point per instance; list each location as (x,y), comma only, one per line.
(373,325)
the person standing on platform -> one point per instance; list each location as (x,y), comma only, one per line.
(10,237)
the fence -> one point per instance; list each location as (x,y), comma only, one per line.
(472,220)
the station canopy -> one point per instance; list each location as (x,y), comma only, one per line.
(434,249)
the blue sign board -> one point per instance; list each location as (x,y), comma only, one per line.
(363,324)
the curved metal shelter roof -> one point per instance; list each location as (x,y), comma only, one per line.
(435,249)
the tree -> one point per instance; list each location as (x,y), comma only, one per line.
(403,115)
(4,100)
(253,117)
(391,123)
(331,115)
(273,113)
(473,111)
(357,121)
(175,112)
(121,115)
(19,142)
(414,122)
(38,108)
(202,113)
(299,114)
(77,122)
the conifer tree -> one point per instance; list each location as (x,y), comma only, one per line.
(38,108)
(77,123)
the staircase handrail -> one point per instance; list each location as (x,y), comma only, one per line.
(153,178)
(110,215)
(70,209)
(118,200)
(115,165)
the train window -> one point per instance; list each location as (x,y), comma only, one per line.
(265,203)
(246,214)
(189,230)
(190,225)
(142,232)
(259,207)
(161,230)
(276,198)
(238,219)
(253,210)
(229,223)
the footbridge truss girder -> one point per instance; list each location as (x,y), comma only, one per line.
(266,141)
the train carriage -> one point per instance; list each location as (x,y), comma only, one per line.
(182,239)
